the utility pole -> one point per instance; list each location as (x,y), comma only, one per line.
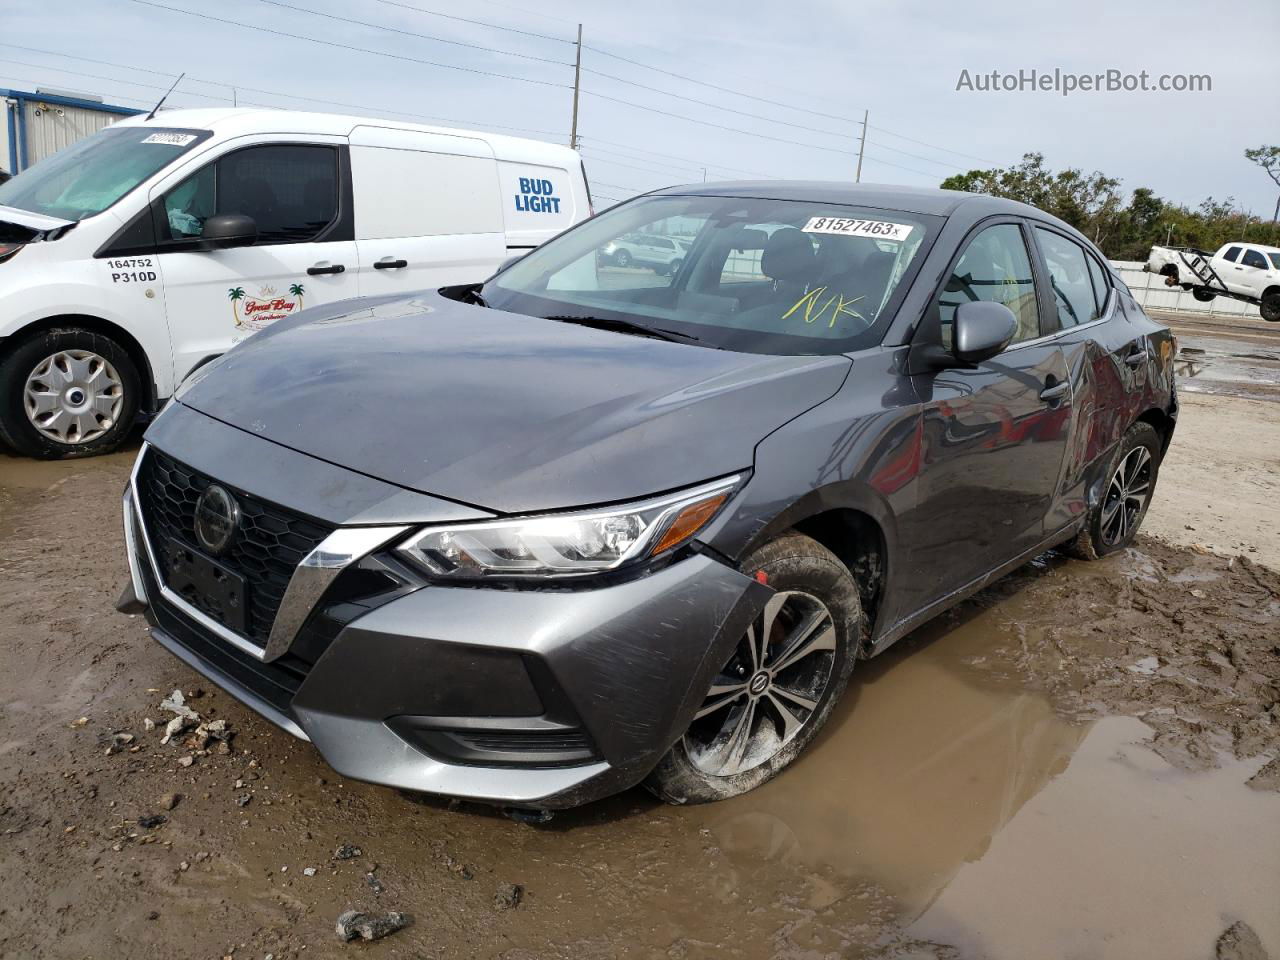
(704,174)
(862,145)
(577,84)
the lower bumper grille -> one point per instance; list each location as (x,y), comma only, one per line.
(270,543)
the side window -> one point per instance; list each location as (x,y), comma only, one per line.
(1069,277)
(994,266)
(1101,285)
(1233,254)
(1252,258)
(291,191)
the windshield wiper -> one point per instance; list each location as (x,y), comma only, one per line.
(627,326)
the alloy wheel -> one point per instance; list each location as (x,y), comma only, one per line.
(1126,495)
(768,691)
(74,396)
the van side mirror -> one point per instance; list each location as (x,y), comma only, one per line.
(225,230)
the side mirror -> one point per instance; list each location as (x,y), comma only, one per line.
(225,230)
(980,330)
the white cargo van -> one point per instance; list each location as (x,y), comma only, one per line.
(135,255)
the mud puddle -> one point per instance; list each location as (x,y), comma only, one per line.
(986,789)
(1230,367)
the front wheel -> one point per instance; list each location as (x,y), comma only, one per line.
(780,682)
(622,258)
(67,392)
(1131,480)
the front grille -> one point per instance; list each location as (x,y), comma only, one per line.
(269,545)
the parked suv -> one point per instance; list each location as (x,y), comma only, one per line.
(133,256)
(536,540)
(663,254)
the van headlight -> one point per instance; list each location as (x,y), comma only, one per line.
(568,544)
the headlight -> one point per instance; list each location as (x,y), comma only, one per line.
(568,544)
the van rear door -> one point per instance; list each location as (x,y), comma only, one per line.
(426,209)
(539,201)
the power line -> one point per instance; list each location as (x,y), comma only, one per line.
(273,93)
(347,46)
(478,23)
(97,76)
(410,33)
(713,86)
(698,163)
(714,106)
(627,166)
(934,146)
(619,186)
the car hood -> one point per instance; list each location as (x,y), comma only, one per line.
(504,411)
(33,221)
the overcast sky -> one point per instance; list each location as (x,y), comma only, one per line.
(900,60)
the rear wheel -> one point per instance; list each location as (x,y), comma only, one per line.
(780,683)
(1270,308)
(67,392)
(1113,522)
(1203,295)
(622,258)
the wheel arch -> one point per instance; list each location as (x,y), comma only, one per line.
(1162,423)
(106,328)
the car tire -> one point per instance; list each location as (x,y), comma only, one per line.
(1204,296)
(1114,520)
(673,267)
(622,258)
(91,389)
(1270,307)
(814,589)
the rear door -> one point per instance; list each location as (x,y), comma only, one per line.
(427,210)
(297,194)
(994,436)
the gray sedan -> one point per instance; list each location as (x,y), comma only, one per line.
(537,540)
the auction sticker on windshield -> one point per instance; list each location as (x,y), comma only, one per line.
(170,139)
(849,227)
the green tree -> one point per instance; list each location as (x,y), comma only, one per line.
(1268,158)
(235,295)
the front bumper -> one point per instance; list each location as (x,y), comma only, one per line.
(544,698)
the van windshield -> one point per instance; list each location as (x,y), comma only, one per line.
(750,274)
(90,175)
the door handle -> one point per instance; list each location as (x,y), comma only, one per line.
(1055,391)
(318,270)
(1137,358)
(386,263)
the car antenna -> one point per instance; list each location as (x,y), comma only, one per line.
(165,97)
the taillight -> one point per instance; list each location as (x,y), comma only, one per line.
(7,250)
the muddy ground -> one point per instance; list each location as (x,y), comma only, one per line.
(1079,762)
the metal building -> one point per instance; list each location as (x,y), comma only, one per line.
(38,124)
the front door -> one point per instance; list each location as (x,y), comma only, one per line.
(305,253)
(994,437)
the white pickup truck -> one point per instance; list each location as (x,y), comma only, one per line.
(1242,271)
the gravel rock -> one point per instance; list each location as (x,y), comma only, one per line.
(175,727)
(151,820)
(148,724)
(243,799)
(508,896)
(177,703)
(369,926)
(186,761)
(309,871)
(169,801)
(1239,942)
(348,851)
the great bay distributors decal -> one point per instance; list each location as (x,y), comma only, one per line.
(252,313)
(537,196)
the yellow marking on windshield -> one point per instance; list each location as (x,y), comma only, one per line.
(813,313)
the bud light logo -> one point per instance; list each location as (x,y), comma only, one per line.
(536,196)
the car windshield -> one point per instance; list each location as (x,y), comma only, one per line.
(748,274)
(90,175)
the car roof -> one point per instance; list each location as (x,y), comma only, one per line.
(243,121)
(924,200)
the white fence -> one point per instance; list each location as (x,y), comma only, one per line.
(1149,290)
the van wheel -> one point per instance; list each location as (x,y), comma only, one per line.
(778,687)
(1131,480)
(67,392)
